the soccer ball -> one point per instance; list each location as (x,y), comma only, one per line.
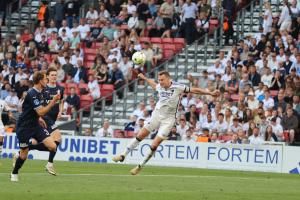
(139,58)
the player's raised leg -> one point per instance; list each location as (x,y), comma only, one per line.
(156,142)
(132,145)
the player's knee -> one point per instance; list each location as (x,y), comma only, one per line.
(52,147)
(23,154)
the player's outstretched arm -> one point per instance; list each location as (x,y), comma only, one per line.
(43,110)
(196,90)
(151,82)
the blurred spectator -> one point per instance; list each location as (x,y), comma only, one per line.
(290,124)
(105,131)
(72,101)
(71,11)
(139,111)
(117,78)
(182,127)
(139,126)
(80,73)
(94,87)
(43,13)
(132,124)
(255,138)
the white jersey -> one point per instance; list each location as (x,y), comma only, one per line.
(169,98)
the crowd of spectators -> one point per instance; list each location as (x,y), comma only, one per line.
(259,80)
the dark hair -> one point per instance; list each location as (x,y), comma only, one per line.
(51,69)
(167,74)
(38,76)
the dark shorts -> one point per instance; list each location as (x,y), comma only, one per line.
(168,23)
(51,127)
(24,134)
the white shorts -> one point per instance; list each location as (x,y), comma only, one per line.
(2,132)
(164,123)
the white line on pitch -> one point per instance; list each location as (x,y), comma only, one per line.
(150,175)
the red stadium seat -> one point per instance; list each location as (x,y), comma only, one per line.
(169,47)
(118,133)
(156,40)
(88,64)
(89,51)
(86,101)
(83,85)
(129,134)
(107,90)
(179,44)
(144,39)
(179,41)
(273,93)
(235,97)
(124,27)
(168,54)
(89,57)
(64,85)
(97,45)
(167,40)
(225,138)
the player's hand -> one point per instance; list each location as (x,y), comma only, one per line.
(42,122)
(59,115)
(141,76)
(57,97)
(215,93)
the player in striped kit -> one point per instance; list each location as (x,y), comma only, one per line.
(163,117)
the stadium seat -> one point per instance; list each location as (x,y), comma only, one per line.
(225,138)
(179,44)
(89,51)
(64,85)
(167,40)
(107,90)
(118,133)
(89,57)
(129,134)
(169,47)
(124,27)
(88,64)
(273,93)
(155,40)
(96,45)
(235,97)
(168,54)
(144,39)
(83,85)
(85,101)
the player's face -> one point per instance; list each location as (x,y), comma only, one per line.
(164,81)
(52,77)
(44,81)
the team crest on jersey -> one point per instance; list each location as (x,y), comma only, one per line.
(36,102)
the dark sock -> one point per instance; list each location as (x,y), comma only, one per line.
(53,153)
(39,147)
(19,164)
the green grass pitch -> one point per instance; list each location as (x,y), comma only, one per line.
(85,181)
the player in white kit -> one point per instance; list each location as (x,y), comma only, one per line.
(3,106)
(164,115)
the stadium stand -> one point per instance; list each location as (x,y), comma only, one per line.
(100,41)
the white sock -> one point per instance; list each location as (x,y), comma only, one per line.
(148,157)
(132,145)
(49,164)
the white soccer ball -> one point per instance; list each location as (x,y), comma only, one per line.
(139,58)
